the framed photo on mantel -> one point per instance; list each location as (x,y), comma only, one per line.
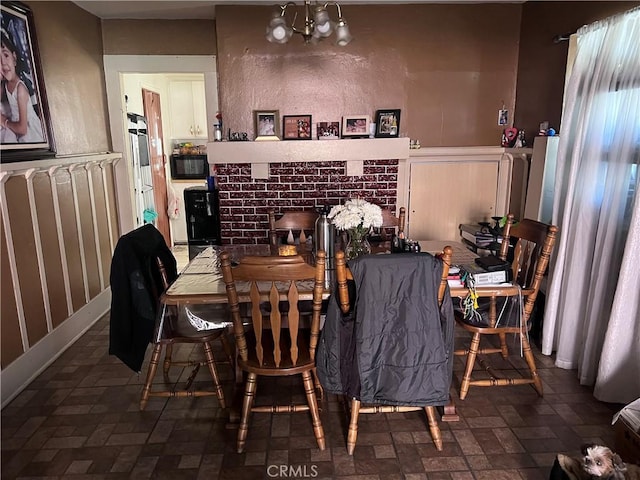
(267,124)
(387,123)
(328,130)
(296,127)
(355,126)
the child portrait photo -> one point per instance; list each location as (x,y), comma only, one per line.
(22,122)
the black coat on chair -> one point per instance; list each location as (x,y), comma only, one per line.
(396,346)
(135,289)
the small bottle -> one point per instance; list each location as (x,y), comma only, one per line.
(395,244)
(217,133)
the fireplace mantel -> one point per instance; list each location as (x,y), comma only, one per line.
(308,150)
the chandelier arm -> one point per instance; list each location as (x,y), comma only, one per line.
(309,32)
(336,4)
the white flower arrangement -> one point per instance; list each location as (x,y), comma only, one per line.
(356,213)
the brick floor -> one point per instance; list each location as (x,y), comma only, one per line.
(80,420)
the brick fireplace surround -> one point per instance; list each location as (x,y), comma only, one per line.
(244,200)
(254,177)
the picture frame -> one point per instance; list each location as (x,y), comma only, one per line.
(32,139)
(296,127)
(387,123)
(355,126)
(328,130)
(266,124)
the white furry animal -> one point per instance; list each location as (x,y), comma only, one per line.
(598,463)
(601,462)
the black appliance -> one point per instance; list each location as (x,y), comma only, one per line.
(202,210)
(189,167)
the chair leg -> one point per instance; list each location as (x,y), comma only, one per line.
(312,401)
(227,350)
(153,366)
(503,345)
(434,428)
(352,434)
(247,403)
(528,356)
(168,352)
(318,386)
(211,363)
(471,359)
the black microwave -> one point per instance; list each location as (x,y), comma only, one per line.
(187,167)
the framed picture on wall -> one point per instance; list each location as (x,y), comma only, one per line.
(328,130)
(296,127)
(355,126)
(387,123)
(25,137)
(267,124)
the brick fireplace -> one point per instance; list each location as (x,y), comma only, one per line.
(254,177)
(244,201)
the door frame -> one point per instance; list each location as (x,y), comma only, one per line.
(117,65)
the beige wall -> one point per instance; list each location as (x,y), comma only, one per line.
(542,63)
(71,53)
(448,67)
(61,219)
(159,37)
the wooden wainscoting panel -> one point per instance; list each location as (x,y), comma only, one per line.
(70,236)
(50,248)
(445,194)
(89,256)
(111,204)
(20,220)
(103,244)
(10,340)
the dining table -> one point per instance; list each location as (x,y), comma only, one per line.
(201,282)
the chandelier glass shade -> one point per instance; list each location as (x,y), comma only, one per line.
(317,24)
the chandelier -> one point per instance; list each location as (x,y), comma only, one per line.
(317,24)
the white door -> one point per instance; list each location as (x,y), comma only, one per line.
(445,194)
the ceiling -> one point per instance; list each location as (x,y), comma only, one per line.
(183,9)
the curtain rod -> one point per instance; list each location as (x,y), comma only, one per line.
(564,37)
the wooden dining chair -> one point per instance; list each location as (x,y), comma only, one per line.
(279,343)
(391,222)
(291,225)
(343,275)
(188,324)
(531,252)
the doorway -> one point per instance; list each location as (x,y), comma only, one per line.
(116,69)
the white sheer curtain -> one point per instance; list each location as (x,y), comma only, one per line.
(592,315)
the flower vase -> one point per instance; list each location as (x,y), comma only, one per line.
(357,243)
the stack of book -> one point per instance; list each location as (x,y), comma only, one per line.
(454,279)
